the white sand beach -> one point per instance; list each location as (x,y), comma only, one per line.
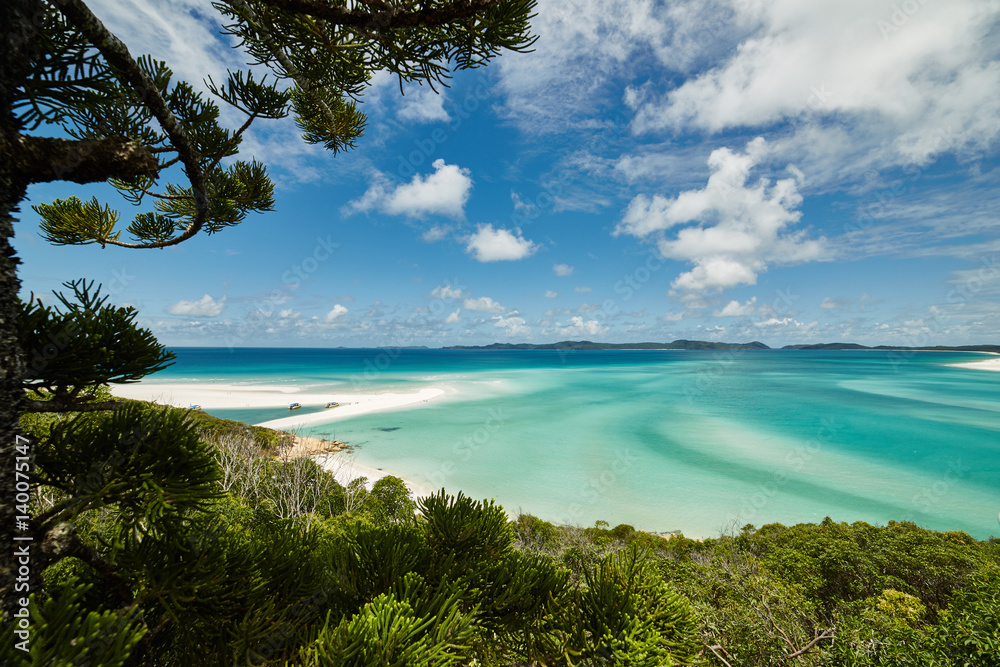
(221,396)
(345,468)
(984,365)
(342,464)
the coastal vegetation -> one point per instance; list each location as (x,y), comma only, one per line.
(203,549)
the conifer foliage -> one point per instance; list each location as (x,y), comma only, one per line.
(76,104)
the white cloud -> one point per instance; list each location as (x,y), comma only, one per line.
(893,88)
(446,292)
(735,309)
(444,192)
(483,304)
(844,305)
(436,233)
(562,269)
(740,230)
(581,46)
(549,294)
(580,327)
(521,206)
(181,32)
(497,245)
(514,325)
(423,105)
(583,290)
(451,319)
(206,306)
(786,322)
(337,312)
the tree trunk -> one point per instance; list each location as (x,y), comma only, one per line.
(20,21)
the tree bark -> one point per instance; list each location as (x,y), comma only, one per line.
(45,159)
(20,21)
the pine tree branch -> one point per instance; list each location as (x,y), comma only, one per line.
(231,144)
(716,652)
(117,55)
(61,541)
(48,515)
(279,54)
(826,634)
(46,159)
(389,18)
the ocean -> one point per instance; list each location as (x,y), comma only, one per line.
(701,442)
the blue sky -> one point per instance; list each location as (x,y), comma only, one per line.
(734,170)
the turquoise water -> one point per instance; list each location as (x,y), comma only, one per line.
(666,440)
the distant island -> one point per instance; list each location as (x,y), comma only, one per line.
(683,344)
(587,345)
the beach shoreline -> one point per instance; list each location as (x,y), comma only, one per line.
(983,365)
(345,468)
(332,455)
(234,396)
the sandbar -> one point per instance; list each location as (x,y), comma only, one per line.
(984,365)
(222,396)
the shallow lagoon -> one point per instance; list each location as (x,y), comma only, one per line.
(666,440)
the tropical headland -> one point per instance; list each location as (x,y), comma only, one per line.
(267,404)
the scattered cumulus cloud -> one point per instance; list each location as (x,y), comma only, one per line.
(785,322)
(583,290)
(436,233)
(337,312)
(521,206)
(423,105)
(513,325)
(453,317)
(446,292)
(499,245)
(736,309)
(443,192)
(206,306)
(549,294)
(861,304)
(740,229)
(562,270)
(483,304)
(580,327)
(892,79)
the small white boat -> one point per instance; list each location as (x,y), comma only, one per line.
(294,406)
(333,404)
